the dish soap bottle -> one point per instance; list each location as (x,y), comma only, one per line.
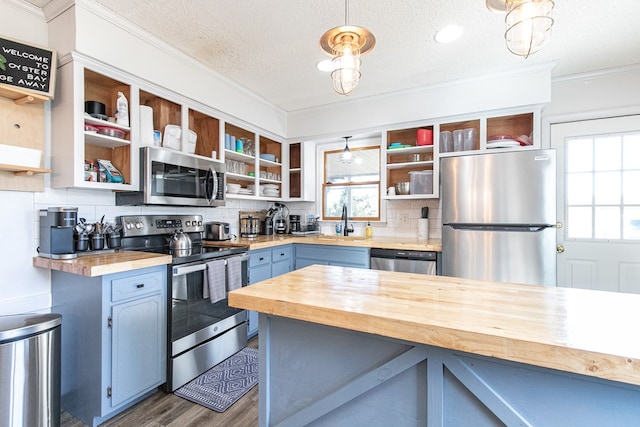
(368,231)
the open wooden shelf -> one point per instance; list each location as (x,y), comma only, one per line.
(20,96)
(23,170)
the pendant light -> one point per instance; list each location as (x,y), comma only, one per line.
(347,155)
(346,44)
(528,23)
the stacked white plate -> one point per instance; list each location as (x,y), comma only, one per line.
(233,188)
(270,190)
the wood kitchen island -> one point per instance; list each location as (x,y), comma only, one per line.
(347,347)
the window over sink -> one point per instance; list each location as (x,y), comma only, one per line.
(355,184)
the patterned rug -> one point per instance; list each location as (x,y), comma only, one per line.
(225,383)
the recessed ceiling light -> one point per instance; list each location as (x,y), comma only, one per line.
(448,34)
(325,65)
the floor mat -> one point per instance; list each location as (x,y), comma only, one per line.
(225,383)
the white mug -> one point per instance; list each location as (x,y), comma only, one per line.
(391,191)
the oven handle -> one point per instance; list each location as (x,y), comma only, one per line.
(179,271)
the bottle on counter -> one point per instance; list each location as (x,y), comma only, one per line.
(368,231)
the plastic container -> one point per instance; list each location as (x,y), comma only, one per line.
(424,137)
(421,182)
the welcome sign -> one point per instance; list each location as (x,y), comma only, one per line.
(27,67)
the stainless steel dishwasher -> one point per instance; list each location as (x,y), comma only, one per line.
(421,262)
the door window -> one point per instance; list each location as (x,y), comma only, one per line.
(602,193)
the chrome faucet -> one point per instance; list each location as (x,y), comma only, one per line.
(345,229)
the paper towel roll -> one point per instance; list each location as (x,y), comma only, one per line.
(146,125)
(423,229)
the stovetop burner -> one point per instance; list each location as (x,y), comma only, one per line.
(198,252)
(151,233)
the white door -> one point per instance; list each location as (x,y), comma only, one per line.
(599,203)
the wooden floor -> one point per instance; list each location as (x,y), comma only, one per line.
(166,409)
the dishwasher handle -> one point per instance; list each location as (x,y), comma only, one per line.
(403,254)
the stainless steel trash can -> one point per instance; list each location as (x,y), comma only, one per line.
(30,370)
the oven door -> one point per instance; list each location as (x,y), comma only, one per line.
(193,319)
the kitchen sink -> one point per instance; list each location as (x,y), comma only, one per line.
(340,238)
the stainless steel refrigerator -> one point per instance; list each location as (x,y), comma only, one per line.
(499,216)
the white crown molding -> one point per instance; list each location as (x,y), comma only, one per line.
(25,7)
(607,72)
(55,8)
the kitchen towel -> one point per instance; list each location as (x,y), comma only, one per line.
(234,273)
(214,286)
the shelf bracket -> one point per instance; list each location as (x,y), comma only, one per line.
(29,99)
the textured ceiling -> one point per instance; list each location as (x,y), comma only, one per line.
(271,47)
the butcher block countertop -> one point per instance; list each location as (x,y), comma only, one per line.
(587,332)
(104,263)
(406,243)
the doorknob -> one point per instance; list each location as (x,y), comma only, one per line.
(559,224)
(560,249)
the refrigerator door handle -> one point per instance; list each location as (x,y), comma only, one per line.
(494,227)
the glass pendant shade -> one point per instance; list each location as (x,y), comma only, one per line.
(346,65)
(346,44)
(529,25)
(347,155)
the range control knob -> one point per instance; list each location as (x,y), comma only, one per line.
(139,225)
(187,223)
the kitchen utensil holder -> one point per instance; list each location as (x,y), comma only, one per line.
(97,242)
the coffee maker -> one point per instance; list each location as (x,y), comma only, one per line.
(56,232)
(280,225)
(294,223)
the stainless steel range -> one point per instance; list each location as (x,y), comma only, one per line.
(202,330)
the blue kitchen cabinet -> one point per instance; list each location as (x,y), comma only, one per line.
(281,260)
(343,256)
(113,339)
(265,264)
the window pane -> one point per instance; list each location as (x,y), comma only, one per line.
(365,166)
(631,225)
(579,223)
(579,189)
(607,223)
(608,153)
(579,155)
(607,188)
(631,188)
(631,152)
(361,200)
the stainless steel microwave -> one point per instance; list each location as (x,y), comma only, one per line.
(171,177)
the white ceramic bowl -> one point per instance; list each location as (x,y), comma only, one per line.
(233,188)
